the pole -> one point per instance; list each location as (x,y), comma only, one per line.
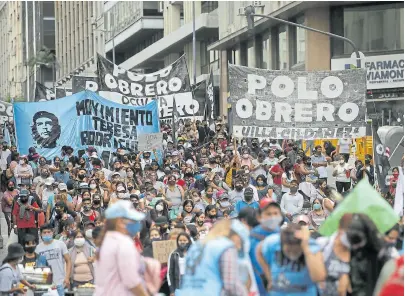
(250,13)
(113,46)
(27,55)
(53,77)
(194,48)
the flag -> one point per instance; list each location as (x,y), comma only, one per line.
(209,100)
(381,160)
(6,135)
(363,199)
(43,94)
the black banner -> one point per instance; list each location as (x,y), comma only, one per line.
(42,93)
(80,83)
(129,88)
(6,112)
(297,104)
(381,160)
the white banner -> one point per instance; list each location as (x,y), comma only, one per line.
(149,142)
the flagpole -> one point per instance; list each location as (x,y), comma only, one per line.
(194,48)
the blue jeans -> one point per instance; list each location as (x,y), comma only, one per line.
(61,290)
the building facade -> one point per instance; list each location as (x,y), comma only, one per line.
(26,27)
(376,28)
(79,37)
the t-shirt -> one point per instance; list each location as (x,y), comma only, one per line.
(286,278)
(243,204)
(277,169)
(344,146)
(54,253)
(323,173)
(8,277)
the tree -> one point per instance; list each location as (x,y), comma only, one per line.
(43,57)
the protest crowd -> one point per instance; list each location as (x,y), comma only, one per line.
(212,215)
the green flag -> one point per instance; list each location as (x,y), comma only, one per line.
(365,200)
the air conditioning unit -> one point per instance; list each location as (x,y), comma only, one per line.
(257,3)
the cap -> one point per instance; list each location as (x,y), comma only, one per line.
(282,157)
(161,220)
(248,191)
(115,174)
(49,181)
(223,195)
(265,202)
(24,192)
(62,186)
(84,186)
(175,153)
(123,209)
(301,218)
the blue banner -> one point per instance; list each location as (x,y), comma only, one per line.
(81,120)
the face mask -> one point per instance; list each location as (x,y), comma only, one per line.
(225,204)
(24,199)
(30,249)
(22,161)
(212,216)
(344,240)
(367,162)
(47,238)
(81,176)
(130,175)
(159,208)
(395,175)
(86,208)
(239,187)
(200,223)
(130,188)
(96,202)
(11,188)
(133,228)
(79,242)
(245,155)
(21,260)
(260,183)
(317,206)
(209,194)
(272,222)
(89,233)
(244,144)
(121,195)
(342,161)
(184,246)
(248,198)
(293,189)
(93,186)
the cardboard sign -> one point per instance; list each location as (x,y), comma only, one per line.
(162,250)
(148,142)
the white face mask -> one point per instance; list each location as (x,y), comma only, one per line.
(89,233)
(159,208)
(342,161)
(22,161)
(93,186)
(79,242)
(272,223)
(121,195)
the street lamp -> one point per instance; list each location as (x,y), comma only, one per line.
(250,14)
(112,39)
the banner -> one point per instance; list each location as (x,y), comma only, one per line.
(209,100)
(81,83)
(6,112)
(129,88)
(81,120)
(297,105)
(43,94)
(381,160)
(149,142)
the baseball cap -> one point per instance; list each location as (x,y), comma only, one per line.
(49,181)
(248,191)
(301,218)
(222,195)
(265,202)
(123,209)
(62,186)
(24,192)
(115,174)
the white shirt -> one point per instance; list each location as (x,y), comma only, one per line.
(3,159)
(292,204)
(340,173)
(344,146)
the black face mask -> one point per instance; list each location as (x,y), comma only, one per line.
(239,187)
(44,175)
(96,202)
(125,160)
(130,188)
(117,169)
(248,198)
(81,176)
(24,199)
(200,223)
(183,247)
(367,161)
(212,216)
(30,249)
(146,156)
(11,188)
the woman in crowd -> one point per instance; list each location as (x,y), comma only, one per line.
(176,264)
(212,265)
(263,190)
(187,213)
(393,185)
(23,172)
(342,174)
(82,256)
(317,216)
(292,264)
(7,203)
(117,259)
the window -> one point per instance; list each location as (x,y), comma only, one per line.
(373,28)
(266,51)
(208,6)
(231,56)
(243,54)
(282,48)
(298,42)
